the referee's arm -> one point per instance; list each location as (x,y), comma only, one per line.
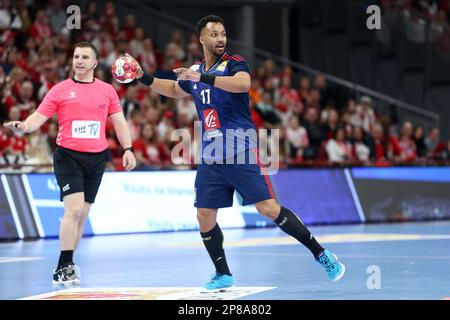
(32,123)
(121,129)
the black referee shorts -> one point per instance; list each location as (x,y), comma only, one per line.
(79,172)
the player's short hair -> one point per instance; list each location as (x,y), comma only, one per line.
(203,21)
(85,44)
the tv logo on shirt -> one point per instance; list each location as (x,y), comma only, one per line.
(85,129)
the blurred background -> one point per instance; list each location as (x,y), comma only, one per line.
(339,92)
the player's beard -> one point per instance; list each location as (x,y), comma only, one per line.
(217,52)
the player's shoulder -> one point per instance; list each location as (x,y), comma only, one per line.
(233,57)
(196,65)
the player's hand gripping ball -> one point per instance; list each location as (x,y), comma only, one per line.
(124,70)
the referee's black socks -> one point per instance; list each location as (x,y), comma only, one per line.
(293,226)
(213,241)
(65,258)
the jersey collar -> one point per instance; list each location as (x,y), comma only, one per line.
(82,82)
(214,65)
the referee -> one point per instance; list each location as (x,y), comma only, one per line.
(82,105)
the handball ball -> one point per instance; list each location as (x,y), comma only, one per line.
(124,70)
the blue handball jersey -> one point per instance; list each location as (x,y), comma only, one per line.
(227,128)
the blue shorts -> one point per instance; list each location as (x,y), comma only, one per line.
(215,185)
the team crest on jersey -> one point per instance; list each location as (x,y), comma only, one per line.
(211,119)
(212,123)
(222,66)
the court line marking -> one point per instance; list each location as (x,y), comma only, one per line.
(18,259)
(148,293)
(331,238)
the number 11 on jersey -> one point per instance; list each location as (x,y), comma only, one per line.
(205,96)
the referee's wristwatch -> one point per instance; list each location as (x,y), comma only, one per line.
(129,149)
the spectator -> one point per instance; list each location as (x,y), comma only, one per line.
(303,90)
(377,143)
(364,115)
(57,16)
(135,124)
(406,142)
(338,148)
(445,154)
(433,143)
(129,27)
(332,123)
(315,133)
(9,17)
(419,139)
(148,57)
(40,29)
(130,101)
(166,124)
(146,149)
(187,106)
(104,45)
(297,139)
(360,150)
(137,43)
(25,102)
(194,52)
(287,99)
(109,21)
(266,110)
(255,91)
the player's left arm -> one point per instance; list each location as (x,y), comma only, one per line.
(124,136)
(238,83)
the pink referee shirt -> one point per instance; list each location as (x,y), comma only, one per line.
(82,110)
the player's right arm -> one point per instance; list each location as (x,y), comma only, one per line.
(168,88)
(32,123)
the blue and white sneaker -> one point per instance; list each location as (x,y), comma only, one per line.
(334,268)
(218,281)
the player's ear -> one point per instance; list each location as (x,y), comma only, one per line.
(201,39)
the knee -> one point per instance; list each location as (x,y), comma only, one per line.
(206,219)
(203,216)
(74,213)
(269,209)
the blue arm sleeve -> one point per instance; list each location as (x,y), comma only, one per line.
(185,85)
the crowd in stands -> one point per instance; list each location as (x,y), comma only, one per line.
(319,123)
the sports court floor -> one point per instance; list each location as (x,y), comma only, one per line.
(384,261)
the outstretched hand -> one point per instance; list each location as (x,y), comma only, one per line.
(187,74)
(16,126)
